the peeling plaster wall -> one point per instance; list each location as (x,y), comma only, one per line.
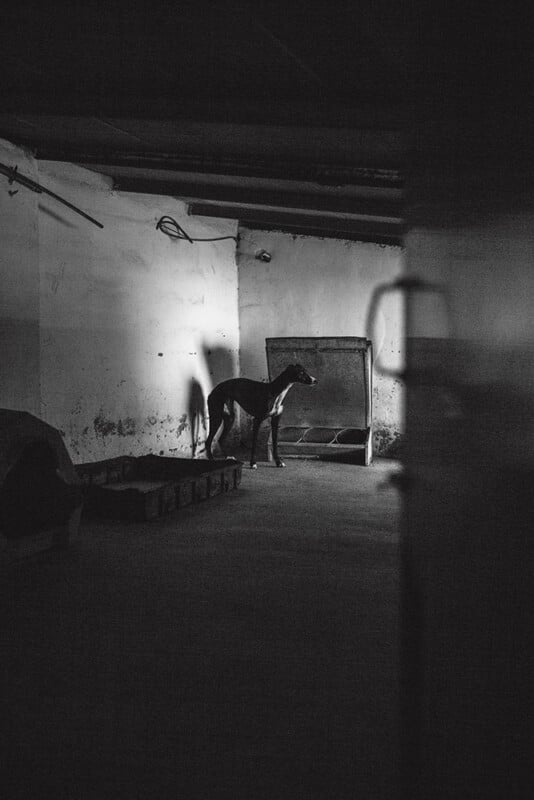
(113,336)
(135,327)
(322,287)
(19,286)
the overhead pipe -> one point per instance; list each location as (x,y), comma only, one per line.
(14,175)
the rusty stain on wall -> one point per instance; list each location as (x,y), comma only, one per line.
(387,441)
(147,435)
(152,420)
(126,427)
(182,425)
(77,408)
(104,427)
(56,277)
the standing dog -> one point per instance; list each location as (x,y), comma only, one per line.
(260,400)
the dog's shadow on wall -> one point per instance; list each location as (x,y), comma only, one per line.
(219,365)
(197,414)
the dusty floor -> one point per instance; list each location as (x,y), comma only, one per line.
(242,648)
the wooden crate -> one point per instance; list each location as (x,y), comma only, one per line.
(150,486)
(333,418)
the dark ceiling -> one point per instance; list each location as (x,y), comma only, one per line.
(292,116)
(139,59)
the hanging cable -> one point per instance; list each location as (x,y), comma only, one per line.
(171,228)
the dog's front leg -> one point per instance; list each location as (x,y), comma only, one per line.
(255,428)
(275,420)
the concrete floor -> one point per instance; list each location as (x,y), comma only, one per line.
(242,648)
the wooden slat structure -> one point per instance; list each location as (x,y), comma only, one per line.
(333,419)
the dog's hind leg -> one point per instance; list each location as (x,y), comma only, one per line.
(228,421)
(275,420)
(255,428)
(215,409)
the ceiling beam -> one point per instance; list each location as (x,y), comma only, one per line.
(384,208)
(319,112)
(307,224)
(323,174)
(327,233)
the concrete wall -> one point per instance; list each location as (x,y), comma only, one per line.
(19,286)
(115,336)
(322,287)
(132,328)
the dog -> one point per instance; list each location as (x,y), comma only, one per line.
(260,400)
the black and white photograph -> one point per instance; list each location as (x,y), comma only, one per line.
(266,400)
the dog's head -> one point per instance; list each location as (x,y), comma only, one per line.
(298,374)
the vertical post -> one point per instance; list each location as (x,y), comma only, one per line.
(466,547)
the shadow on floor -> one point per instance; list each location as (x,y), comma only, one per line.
(241,648)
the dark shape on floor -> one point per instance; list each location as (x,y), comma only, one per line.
(39,488)
(150,486)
